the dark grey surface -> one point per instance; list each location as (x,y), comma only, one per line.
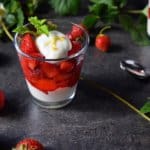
(94,120)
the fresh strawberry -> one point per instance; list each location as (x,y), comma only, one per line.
(50,70)
(29,144)
(76,46)
(76,32)
(67,66)
(2,99)
(28,45)
(102,41)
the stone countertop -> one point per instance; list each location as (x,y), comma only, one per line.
(94,120)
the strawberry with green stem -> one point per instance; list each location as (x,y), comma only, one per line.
(103,41)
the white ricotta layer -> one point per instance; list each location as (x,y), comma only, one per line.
(55,45)
(58,95)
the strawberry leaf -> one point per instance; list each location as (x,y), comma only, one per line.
(107,13)
(146,107)
(90,20)
(137,29)
(65,7)
(107,2)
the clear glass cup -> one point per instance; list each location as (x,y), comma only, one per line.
(48,83)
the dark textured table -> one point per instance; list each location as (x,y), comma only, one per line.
(94,120)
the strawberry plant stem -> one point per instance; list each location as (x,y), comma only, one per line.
(6,31)
(118,98)
(104,28)
(134,11)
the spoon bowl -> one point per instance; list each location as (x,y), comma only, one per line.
(134,68)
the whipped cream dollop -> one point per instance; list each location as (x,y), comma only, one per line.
(55,45)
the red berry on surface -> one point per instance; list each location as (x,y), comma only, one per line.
(103,42)
(27,44)
(2,99)
(29,144)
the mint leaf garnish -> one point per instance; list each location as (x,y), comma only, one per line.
(40,25)
(21,29)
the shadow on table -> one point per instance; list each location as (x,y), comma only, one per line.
(7,143)
(90,98)
(115,48)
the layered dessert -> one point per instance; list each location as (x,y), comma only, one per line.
(50,62)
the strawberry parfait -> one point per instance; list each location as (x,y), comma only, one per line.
(51,55)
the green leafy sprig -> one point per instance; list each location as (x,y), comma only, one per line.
(12,17)
(41,25)
(112,11)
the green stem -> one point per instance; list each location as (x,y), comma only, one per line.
(6,31)
(104,28)
(134,11)
(118,98)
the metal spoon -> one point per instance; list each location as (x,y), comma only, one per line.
(135,68)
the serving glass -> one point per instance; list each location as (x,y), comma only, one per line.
(51,86)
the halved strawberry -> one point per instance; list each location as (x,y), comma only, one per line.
(27,44)
(67,66)
(76,47)
(2,99)
(50,70)
(29,144)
